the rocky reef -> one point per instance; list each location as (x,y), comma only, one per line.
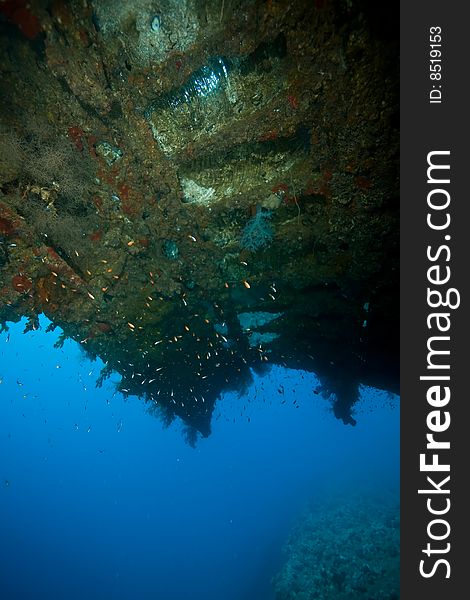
(344,547)
(141,152)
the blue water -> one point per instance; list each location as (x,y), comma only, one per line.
(99,501)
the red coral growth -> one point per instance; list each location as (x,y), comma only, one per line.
(10,224)
(294,103)
(76,134)
(320,187)
(282,188)
(21,284)
(129,206)
(362,182)
(17,12)
(106,176)
(129,209)
(53,253)
(6,227)
(124,191)
(96,236)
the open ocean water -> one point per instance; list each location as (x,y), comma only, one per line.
(99,501)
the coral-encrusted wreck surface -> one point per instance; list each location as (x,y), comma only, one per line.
(192,190)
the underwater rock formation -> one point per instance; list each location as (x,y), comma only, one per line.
(343,548)
(137,146)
